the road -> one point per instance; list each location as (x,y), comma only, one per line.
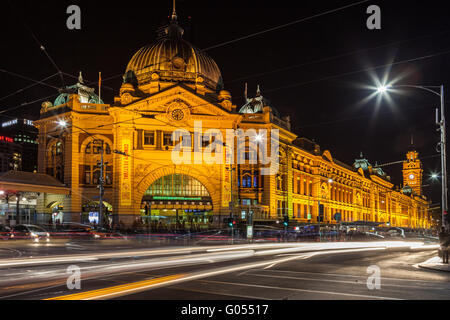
(292,271)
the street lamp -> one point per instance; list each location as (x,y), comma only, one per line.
(442,144)
(382,89)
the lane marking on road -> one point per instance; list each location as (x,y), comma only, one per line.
(340,281)
(121,289)
(131,288)
(219,293)
(431,282)
(302,290)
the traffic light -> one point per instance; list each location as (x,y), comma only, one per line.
(446,217)
(286,220)
(231,222)
(321,211)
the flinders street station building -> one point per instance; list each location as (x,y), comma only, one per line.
(128,147)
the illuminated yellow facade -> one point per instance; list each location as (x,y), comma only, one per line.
(170,85)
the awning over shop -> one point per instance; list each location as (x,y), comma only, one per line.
(15,181)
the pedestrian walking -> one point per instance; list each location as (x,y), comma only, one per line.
(444,241)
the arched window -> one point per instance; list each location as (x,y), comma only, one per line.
(246,181)
(88,148)
(54,161)
(96,149)
(177,185)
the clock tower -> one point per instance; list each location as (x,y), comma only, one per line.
(412,172)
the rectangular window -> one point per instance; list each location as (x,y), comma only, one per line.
(206,140)
(87,174)
(149,138)
(96,176)
(167,139)
(186,140)
(305,211)
(108,175)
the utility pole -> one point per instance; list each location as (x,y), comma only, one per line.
(100,186)
(443,160)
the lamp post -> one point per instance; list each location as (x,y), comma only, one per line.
(442,144)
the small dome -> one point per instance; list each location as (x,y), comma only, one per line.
(174,59)
(61,99)
(86,94)
(257,104)
(225,95)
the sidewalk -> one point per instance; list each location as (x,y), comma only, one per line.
(435,263)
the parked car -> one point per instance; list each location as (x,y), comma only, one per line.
(5,232)
(29,231)
(73,230)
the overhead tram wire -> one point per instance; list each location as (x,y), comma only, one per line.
(353,118)
(27,103)
(298,65)
(343,74)
(358,71)
(401,161)
(29,79)
(284,25)
(41,47)
(330,58)
(88,82)
(115,76)
(27,87)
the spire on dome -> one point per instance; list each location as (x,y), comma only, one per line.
(174,13)
(174,31)
(80,78)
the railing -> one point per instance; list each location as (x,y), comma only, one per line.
(281,123)
(253,116)
(93,107)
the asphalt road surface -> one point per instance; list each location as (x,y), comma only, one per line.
(280,271)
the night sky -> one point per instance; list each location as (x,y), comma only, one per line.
(323,63)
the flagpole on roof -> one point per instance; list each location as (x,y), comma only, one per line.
(99,86)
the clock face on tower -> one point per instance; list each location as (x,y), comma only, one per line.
(411,177)
(177,114)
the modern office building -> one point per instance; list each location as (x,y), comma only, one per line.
(25,134)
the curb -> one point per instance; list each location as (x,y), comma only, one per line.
(435,268)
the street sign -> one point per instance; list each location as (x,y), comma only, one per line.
(249,232)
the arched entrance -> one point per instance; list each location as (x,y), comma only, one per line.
(57,212)
(177,201)
(90,212)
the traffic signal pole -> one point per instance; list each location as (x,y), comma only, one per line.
(319,218)
(101,189)
(443,161)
